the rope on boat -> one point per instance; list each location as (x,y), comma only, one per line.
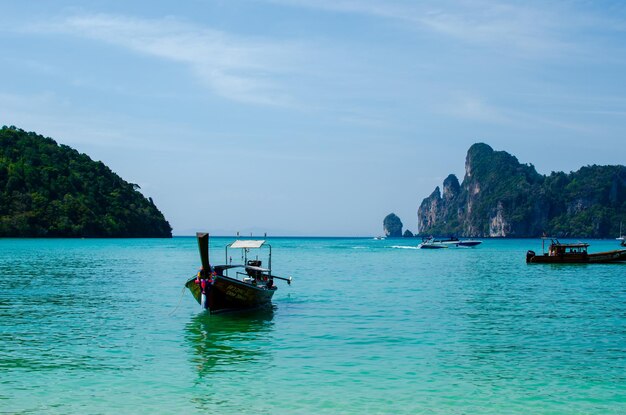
(182,294)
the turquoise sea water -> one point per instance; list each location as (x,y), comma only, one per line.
(92,326)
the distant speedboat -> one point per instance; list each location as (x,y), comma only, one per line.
(453,241)
(469,243)
(431,243)
(379,238)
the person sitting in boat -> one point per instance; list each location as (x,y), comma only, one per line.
(205,280)
(203,277)
(200,276)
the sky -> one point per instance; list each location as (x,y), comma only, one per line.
(303,117)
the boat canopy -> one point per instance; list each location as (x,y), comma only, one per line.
(572,245)
(247,244)
(259,269)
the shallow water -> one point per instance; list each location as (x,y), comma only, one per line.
(99,326)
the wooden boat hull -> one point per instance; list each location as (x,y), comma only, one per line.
(618,255)
(229,294)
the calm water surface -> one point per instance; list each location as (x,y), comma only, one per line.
(100,326)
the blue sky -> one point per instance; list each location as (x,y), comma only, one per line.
(301,117)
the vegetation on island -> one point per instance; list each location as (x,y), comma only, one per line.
(51,190)
(501,197)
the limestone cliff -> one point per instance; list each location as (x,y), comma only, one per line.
(501,197)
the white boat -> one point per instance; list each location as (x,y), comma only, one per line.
(621,238)
(431,243)
(455,242)
(469,243)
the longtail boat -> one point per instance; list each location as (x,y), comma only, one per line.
(574,253)
(223,288)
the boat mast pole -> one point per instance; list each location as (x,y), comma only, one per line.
(269,261)
(226,259)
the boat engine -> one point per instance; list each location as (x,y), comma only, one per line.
(529,255)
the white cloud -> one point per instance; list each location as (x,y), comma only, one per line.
(237,68)
(516,28)
(466,106)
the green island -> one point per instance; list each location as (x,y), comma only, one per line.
(500,197)
(52,190)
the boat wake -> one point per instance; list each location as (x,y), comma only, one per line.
(404,247)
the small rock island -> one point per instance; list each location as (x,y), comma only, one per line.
(51,190)
(392,226)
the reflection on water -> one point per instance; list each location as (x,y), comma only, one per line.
(229,342)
